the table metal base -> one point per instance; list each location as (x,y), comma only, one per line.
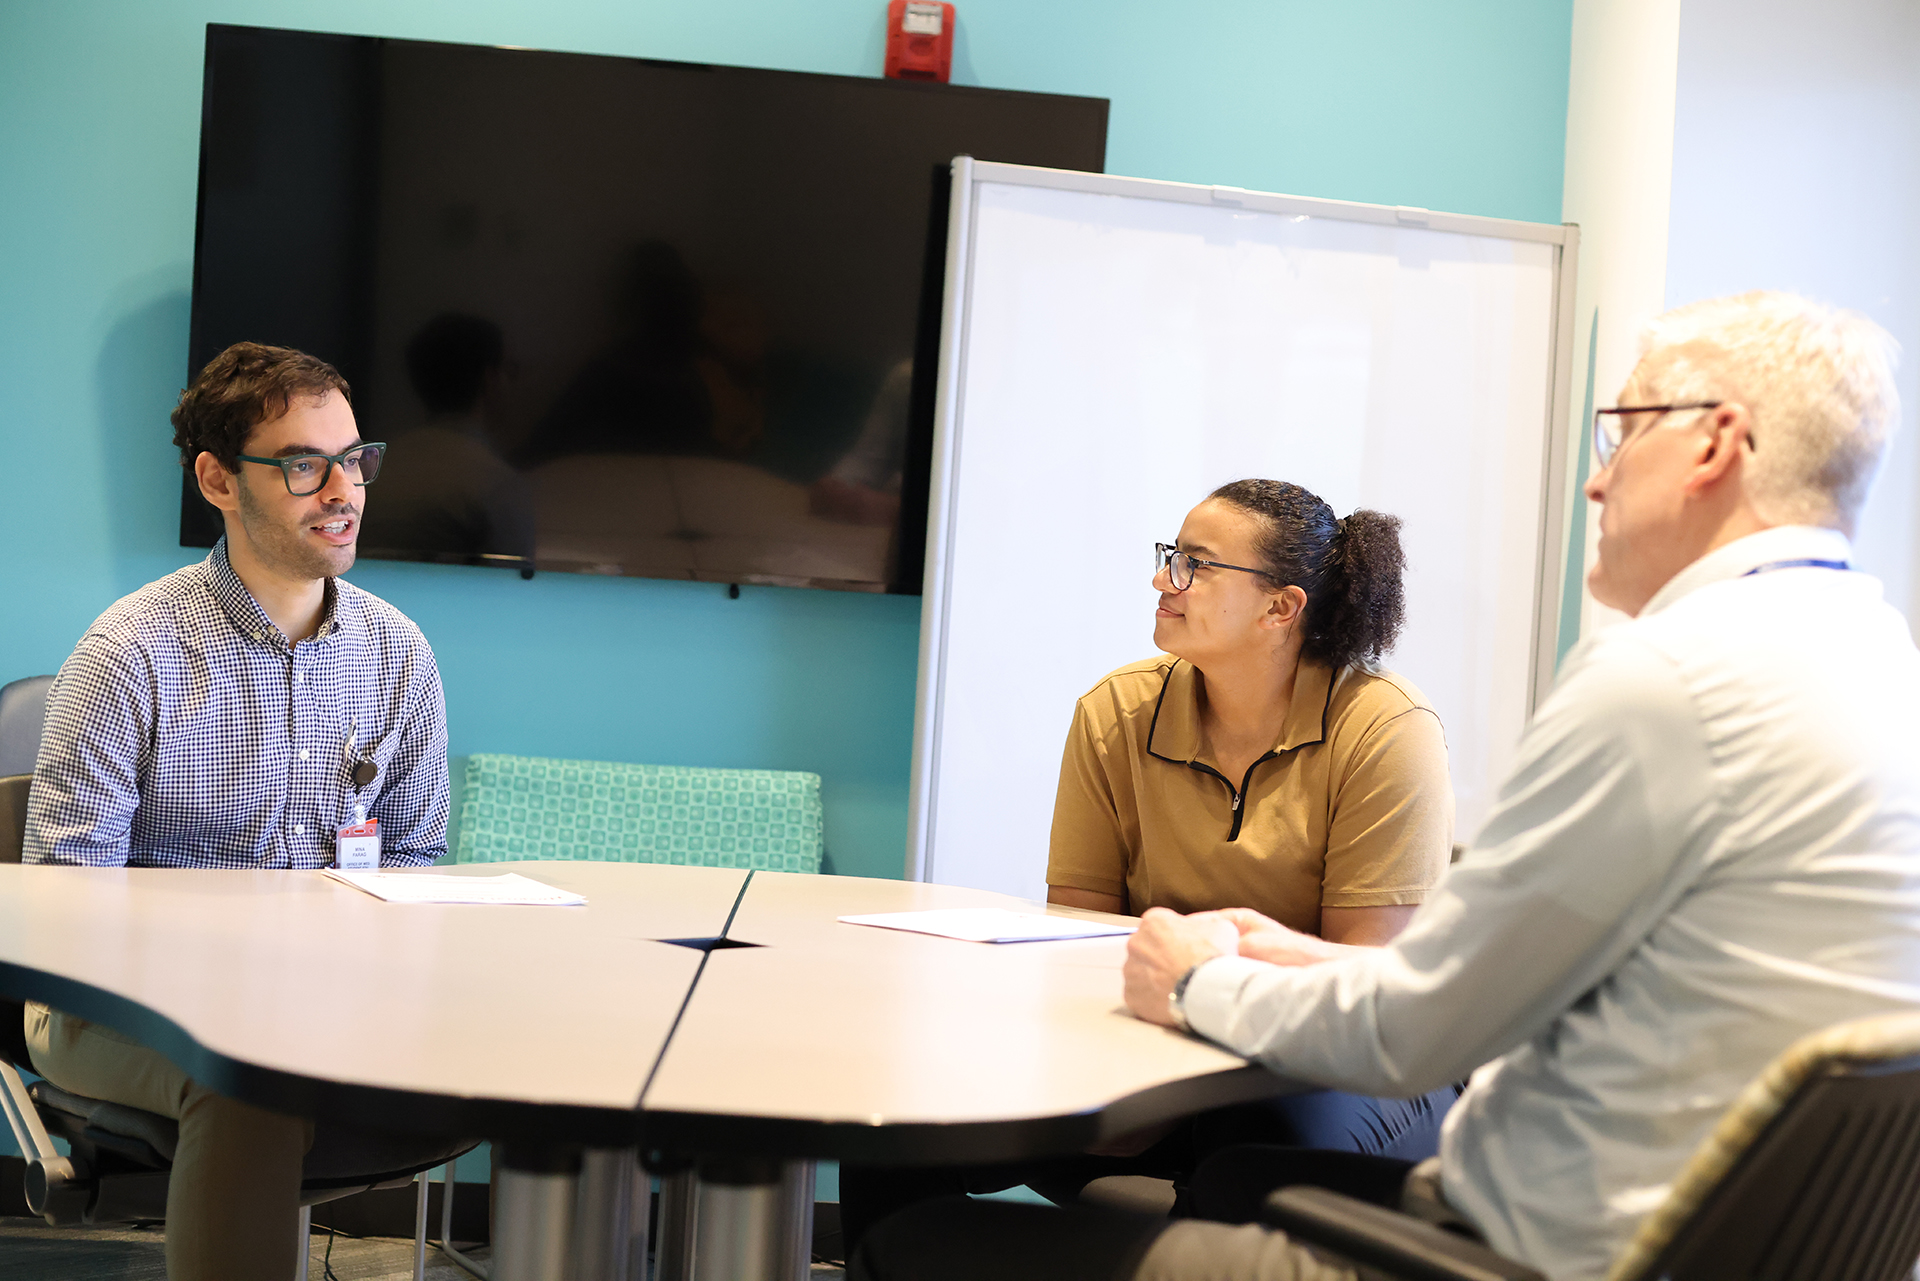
(579,1216)
(736,1221)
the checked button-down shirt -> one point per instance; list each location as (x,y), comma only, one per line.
(185,731)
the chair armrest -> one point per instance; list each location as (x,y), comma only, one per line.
(1380,1238)
(13,1035)
(13,816)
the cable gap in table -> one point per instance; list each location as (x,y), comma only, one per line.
(738,899)
(706,947)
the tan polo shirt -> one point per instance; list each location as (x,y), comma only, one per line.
(1351,808)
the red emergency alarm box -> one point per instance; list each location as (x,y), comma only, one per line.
(919,40)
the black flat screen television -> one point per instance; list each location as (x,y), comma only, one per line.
(612,315)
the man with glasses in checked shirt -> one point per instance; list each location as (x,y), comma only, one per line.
(236,714)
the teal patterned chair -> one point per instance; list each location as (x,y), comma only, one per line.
(527,807)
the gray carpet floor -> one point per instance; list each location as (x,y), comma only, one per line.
(32,1251)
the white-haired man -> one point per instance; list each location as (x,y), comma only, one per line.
(1709,845)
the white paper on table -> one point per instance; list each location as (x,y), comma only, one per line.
(506,889)
(989,925)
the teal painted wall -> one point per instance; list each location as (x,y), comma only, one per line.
(1459,106)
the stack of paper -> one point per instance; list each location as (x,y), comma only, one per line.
(508,888)
(990,925)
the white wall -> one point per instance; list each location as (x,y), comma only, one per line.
(1620,112)
(1796,165)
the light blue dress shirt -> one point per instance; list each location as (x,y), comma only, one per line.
(1709,845)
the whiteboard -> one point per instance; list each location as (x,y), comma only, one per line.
(1116,348)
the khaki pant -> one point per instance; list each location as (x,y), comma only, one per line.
(1190,1249)
(956,1239)
(233,1202)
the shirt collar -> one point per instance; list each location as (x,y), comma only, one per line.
(244,612)
(1175,735)
(1782,542)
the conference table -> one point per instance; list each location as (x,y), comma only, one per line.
(723,1026)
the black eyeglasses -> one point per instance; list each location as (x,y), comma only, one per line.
(307,473)
(1607,425)
(1179,565)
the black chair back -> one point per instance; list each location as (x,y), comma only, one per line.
(1829,1191)
(23,712)
(13,828)
(13,1035)
(13,816)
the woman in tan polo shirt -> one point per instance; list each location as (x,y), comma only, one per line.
(1265,760)
(1262,760)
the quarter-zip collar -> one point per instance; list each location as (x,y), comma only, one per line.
(1175,734)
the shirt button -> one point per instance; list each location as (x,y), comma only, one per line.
(301,679)
(299,829)
(303,753)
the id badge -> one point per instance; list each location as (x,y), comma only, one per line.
(356,847)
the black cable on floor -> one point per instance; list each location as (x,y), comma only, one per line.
(326,1260)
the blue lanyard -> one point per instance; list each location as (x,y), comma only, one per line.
(1804,563)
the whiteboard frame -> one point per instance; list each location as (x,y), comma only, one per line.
(1549,563)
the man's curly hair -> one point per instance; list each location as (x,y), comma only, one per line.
(247,384)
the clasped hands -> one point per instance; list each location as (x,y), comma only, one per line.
(1168,944)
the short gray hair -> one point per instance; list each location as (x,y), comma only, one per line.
(1818,382)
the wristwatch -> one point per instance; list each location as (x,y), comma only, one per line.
(1177,1000)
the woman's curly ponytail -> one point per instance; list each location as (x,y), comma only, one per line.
(1350,569)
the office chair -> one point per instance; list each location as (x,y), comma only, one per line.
(1812,1175)
(23,710)
(119,1157)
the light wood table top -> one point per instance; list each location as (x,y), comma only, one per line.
(293,991)
(849,1041)
(549,1024)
